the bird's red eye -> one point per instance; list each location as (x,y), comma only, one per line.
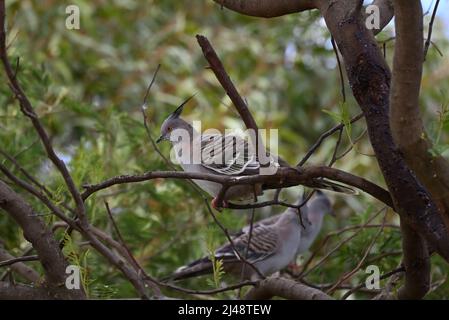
(169,129)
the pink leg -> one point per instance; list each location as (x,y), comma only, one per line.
(218,206)
(294,268)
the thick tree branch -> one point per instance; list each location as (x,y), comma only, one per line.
(405,117)
(417,265)
(9,291)
(47,248)
(408,133)
(267,8)
(272,9)
(37,193)
(284,177)
(369,77)
(284,288)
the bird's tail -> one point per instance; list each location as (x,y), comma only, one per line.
(325,184)
(196,268)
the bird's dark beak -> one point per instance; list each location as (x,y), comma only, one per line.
(159,139)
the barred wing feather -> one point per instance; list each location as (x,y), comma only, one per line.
(264,242)
(228,155)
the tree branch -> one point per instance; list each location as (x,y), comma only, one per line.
(417,265)
(18,267)
(369,77)
(272,9)
(405,116)
(285,288)
(36,232)
(323,137)
(225,81)
(267,8)
(408,133)
(284,177)
(15,260)
(9,291)
(429,33)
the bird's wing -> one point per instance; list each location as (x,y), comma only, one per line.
(266,222)
(228,154)
(264,243)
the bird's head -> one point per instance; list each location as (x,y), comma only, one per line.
(320,205)
(174,126)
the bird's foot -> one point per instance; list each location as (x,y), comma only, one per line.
(294,268)
(219,206)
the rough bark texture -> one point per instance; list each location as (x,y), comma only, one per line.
(20,268)
(272,9)
(285,288)
(417,265)
(405,117)
(47,248)
(408,134)
(267,8)
(9,291)
(369,77)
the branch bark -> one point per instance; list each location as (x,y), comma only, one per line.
(9,291)
(369,77)
(417,265)
(19,267)
(409,135)
(284,177)
(47,248)
(267,8)
(405,117)
(272,9)
(284,288)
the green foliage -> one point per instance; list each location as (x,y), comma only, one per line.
(74,257)
(217,264)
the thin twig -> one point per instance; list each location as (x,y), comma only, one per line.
(382,277)
(360,263)
(26,174)
(251,224)
(325,135)
(9,262)
(231,242)
(357,229)
(136,265)
(342,81)
(429,34)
